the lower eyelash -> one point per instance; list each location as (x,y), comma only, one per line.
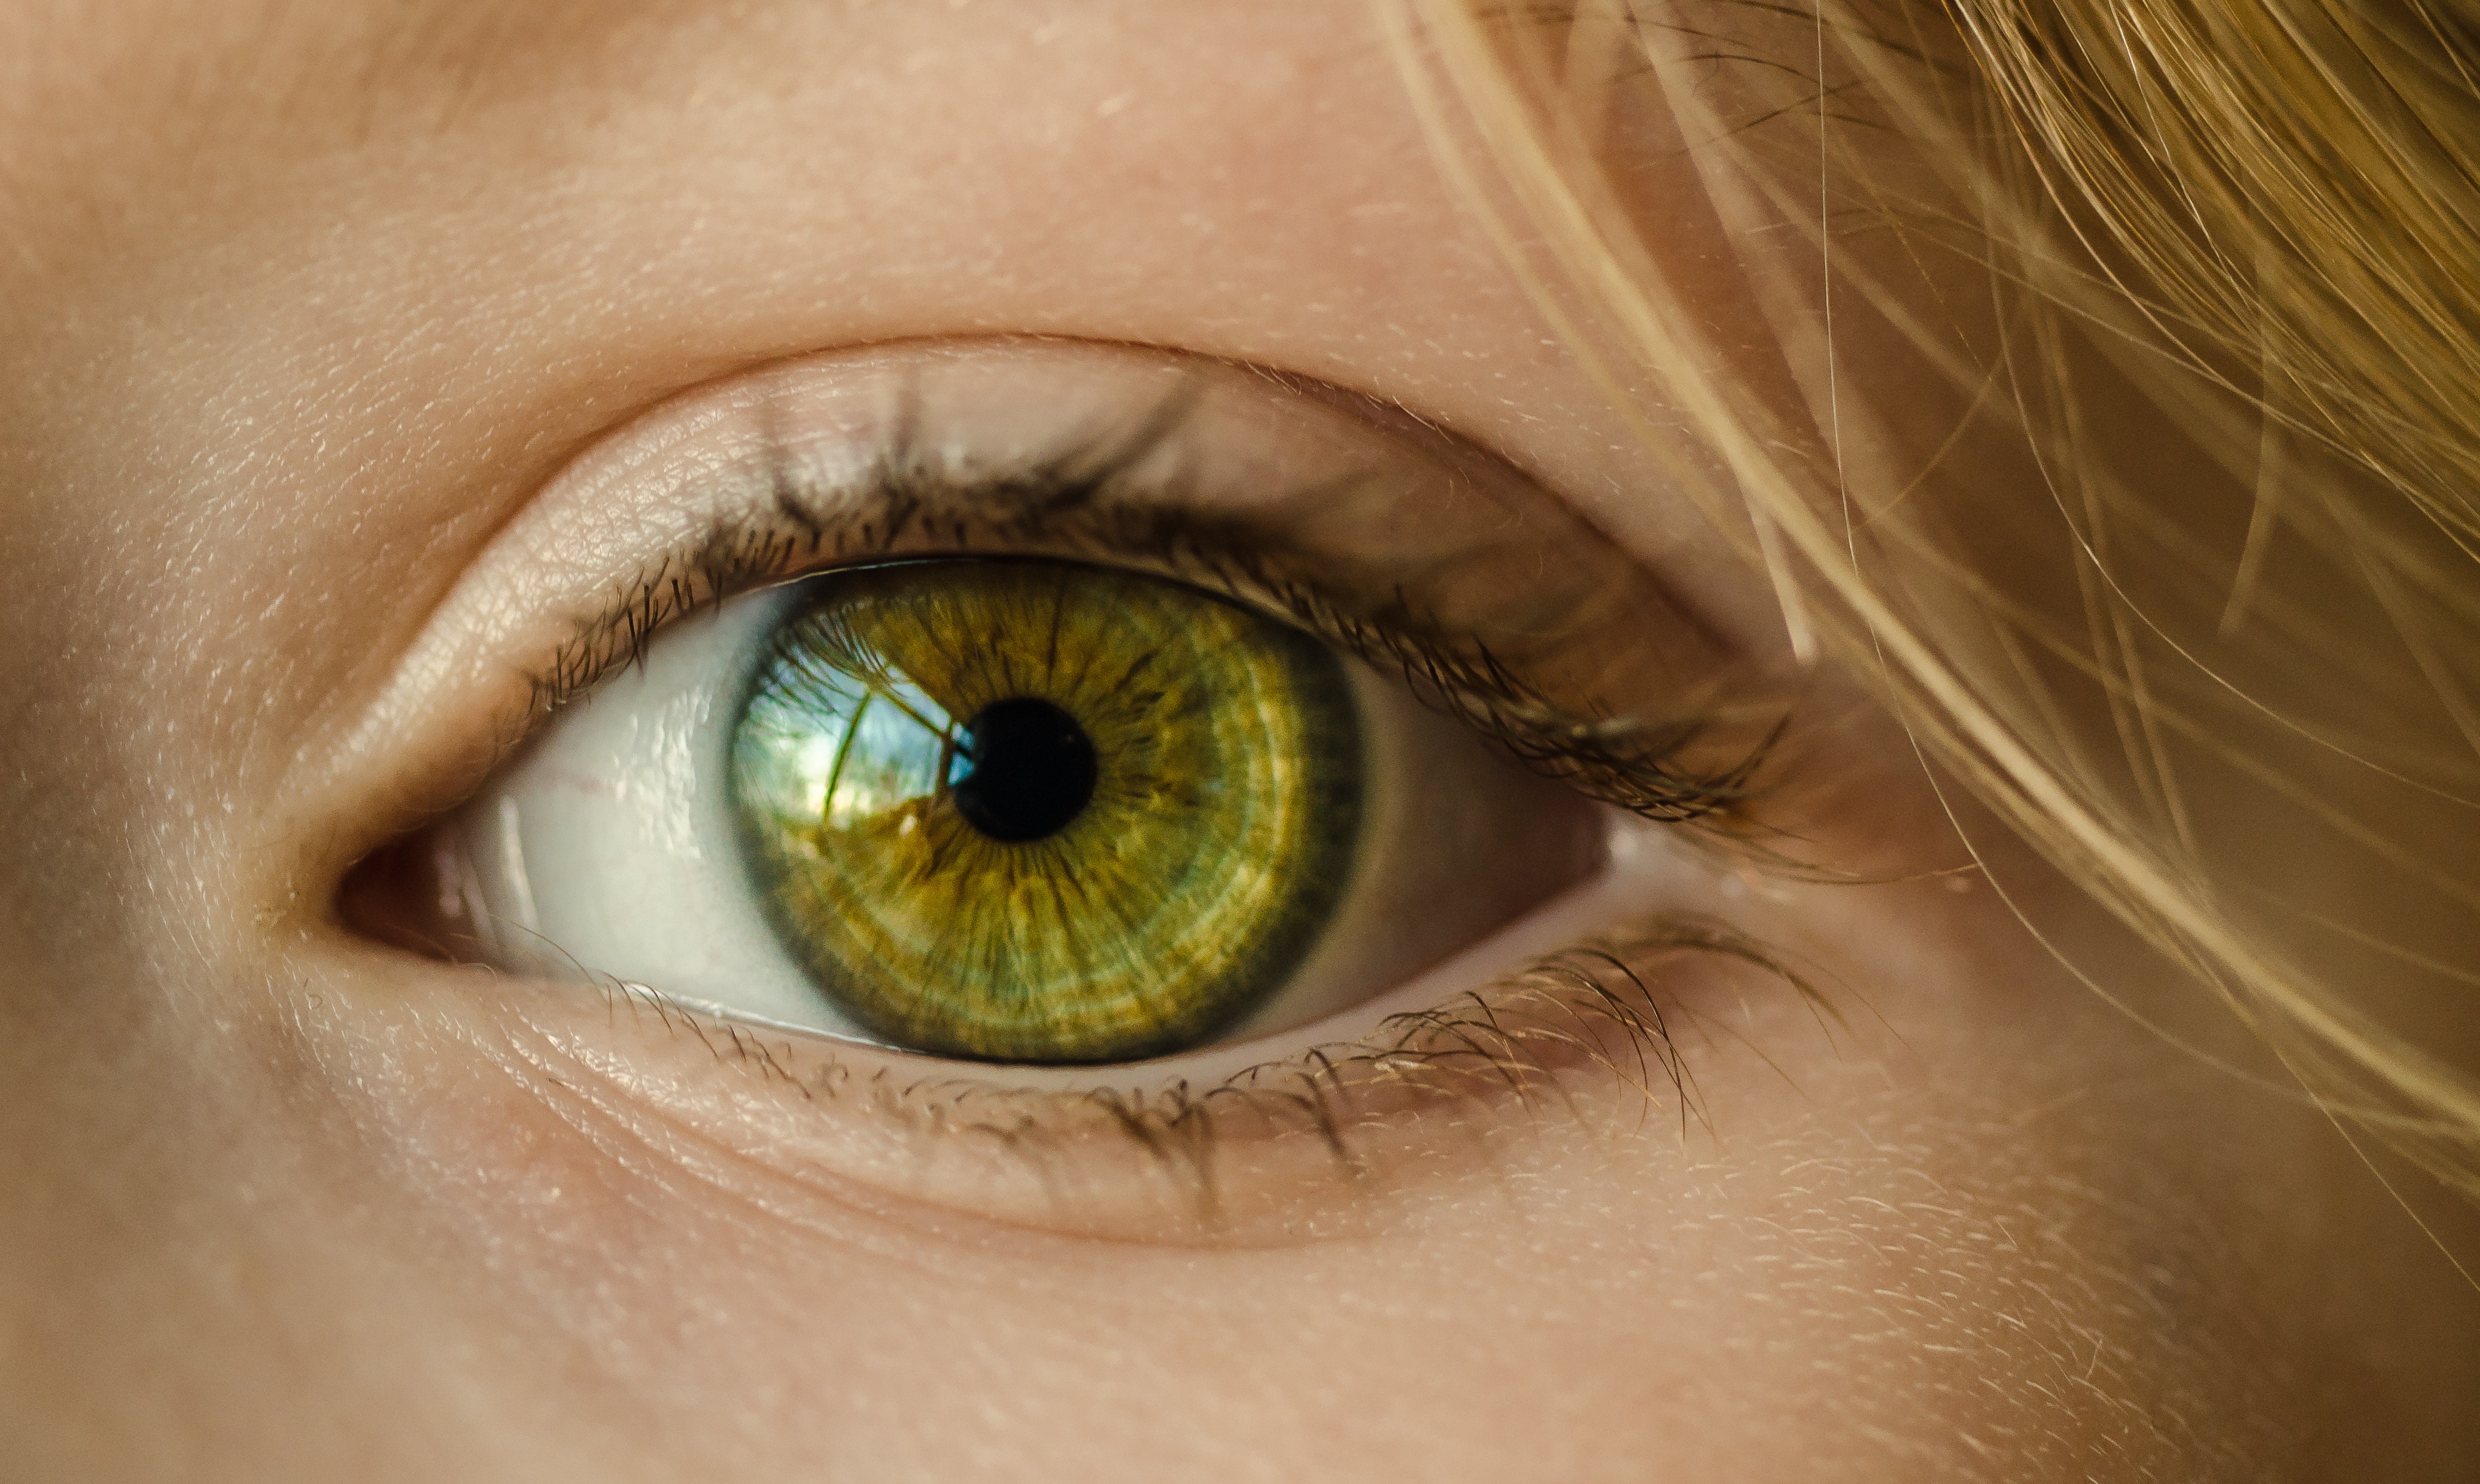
(1607,1009)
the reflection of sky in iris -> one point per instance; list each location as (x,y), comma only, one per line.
(889,741)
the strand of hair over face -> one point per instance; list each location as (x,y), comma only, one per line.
(2264,219)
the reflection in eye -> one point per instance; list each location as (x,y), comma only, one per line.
(1045,812)
(1055,705)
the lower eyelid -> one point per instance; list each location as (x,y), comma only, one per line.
(1316,1146)
(1233,1146)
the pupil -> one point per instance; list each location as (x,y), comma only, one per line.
(1024,770)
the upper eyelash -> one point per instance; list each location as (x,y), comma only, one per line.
(1628,762)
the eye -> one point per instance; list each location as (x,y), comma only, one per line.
(1041,706)
(1010,811)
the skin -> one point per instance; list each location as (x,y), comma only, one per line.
(302,304)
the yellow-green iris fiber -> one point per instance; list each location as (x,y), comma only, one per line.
(1220,831)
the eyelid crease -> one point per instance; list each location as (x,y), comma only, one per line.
(1086,501)
(1180,1163)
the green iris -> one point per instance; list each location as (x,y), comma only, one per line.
(1032,811)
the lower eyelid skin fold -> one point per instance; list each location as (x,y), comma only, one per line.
(1577,1020)
(1597,1040)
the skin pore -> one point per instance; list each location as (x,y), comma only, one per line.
(303,305)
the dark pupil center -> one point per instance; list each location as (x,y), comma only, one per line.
(1022,770)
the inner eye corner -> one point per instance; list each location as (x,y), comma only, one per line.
(402,895)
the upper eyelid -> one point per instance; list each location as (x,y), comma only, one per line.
(1036,491)
(606,552)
